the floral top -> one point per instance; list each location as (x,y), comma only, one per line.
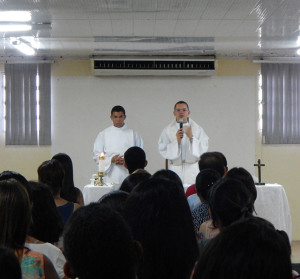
(32,265)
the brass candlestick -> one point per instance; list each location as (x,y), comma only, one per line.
(99,179)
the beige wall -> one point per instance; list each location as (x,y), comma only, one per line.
(281,161)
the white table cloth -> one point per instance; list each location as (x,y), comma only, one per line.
(272,204)
(93,193)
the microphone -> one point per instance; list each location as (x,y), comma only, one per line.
(180,120)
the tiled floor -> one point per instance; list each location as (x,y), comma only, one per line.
(296,251)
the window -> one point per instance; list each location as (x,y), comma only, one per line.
(27,95)
(281,103)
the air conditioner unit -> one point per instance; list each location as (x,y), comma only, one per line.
(153,66)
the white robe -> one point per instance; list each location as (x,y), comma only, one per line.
(115,141)
(183,158)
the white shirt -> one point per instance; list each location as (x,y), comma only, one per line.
(115,141)
(183,157)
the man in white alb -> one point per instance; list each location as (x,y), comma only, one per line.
(183,146)
(114,141)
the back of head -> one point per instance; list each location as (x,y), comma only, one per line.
(115,200)
(135,158)
(68,190)
(229,201)
(212,160)
(98,244)
(51,173)
(245,177)
(15,214)
(204,182)
(168,174)
(117,109)
(159,216)
(133,180)
(9,264)
(17,176)
(248,249)
(46,223)
(223,158)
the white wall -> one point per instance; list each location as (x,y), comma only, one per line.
(223,106)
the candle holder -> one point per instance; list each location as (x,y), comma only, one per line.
(99,179)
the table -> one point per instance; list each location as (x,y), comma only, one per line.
(93,193)
(272,204)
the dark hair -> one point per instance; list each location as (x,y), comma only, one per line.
(47,224)
(159,216)
(248,249)
(223,157)
(133,180)
(181,102)
(211,160)
(69,191)
(229,201)
(135,158)
(115,200)
(9,264)
(245,177)
(98,244)
(17,176)
(15,214)
(117,109)
(204,182)
(168,174)
(51,172)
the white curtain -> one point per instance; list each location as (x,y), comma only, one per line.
(281,103)
(21,104)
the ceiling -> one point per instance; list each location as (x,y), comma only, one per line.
(224,28)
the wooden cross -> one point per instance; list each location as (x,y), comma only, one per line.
(259,165)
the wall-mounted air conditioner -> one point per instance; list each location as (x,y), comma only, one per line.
(153,66)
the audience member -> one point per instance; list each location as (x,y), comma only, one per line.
(159,216)
(15,217)
(19,177)
(245,177)
(51,173)
(134,159)
(69,192)
(9,265)
(46,226)
(250,248)
(168,174)
(229,201)
(209,160)
(134,179)
(115,200)
(204,182)
(98,244)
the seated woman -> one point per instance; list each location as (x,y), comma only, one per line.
(160,219)
(250,248)
(204,182)
(51,173)
(15,217)
(229,201)
(69,191)
(46,226)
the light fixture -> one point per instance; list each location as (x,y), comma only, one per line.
(22,46)
(298,51)
(14,27)
(15,16)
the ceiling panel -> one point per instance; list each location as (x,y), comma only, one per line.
(69,27)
